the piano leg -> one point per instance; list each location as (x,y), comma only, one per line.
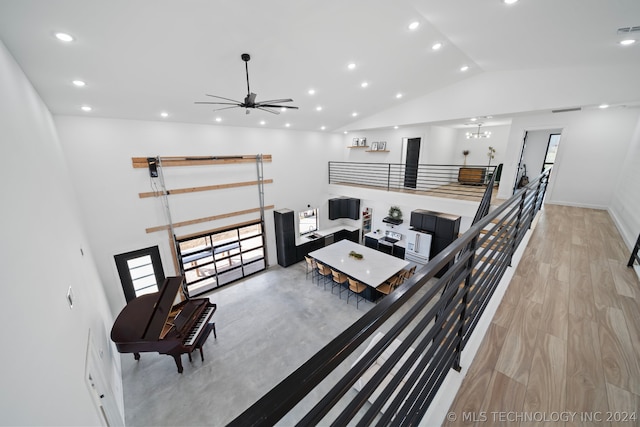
(136,356)
(178,359)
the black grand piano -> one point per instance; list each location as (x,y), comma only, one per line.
(154,322)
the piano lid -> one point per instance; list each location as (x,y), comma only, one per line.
(143,318)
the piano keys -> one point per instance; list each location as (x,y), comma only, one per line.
(152,322)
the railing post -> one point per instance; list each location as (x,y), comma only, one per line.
(465,300)
(388,176)
(518,225)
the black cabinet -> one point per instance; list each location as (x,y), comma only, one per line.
(424,220)
(370,242)
(447,229)
(285,236)
(398,251)
(344,207)
(310,246)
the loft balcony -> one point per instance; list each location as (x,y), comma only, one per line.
(460,182)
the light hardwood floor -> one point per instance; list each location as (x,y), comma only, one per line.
(563,348)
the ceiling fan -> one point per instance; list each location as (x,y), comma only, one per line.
(250,99)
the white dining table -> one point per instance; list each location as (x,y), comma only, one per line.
(373,269)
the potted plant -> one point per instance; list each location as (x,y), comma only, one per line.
(465,153)
(491,154)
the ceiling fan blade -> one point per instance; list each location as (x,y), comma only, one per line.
(226,108)
(277,106)
(218,103)
(222,97)
(274,101)
(267,110)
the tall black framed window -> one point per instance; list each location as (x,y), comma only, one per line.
(215,258)
(140,271)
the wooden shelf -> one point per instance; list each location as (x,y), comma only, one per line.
(141,162)
(358,146)
(377,151)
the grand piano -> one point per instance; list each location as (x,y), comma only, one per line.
(155,322)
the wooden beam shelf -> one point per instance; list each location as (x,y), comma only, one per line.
(207,219)
(141,162)
(205,188)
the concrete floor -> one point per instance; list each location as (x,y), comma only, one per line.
(267,326)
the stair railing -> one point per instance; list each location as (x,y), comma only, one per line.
(414,335)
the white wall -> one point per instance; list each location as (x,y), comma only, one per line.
(42,363)
(479,148)
(594,144)
(100,152)
(625,204)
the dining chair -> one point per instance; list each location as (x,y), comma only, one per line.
(339,279)
(312,267)
(325,273)
(387,287)
(412,271)
(356,288)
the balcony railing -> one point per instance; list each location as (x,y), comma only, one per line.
(415,335)
(459,181)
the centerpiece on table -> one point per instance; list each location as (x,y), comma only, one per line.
(356,255)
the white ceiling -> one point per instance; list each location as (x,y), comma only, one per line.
(142,57)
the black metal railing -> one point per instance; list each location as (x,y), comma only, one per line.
(425,325)
(634,253)
(437,180)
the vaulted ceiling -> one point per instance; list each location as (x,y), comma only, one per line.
(141,58)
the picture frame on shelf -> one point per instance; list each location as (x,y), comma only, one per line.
(356,142)
(382,145)
(363,142)
(374,146)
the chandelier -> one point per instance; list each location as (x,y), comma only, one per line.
(477,134)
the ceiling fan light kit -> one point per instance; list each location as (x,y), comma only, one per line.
(270,106)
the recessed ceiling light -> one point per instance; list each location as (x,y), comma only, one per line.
(473,119)
(509,1)
(319,108)
(364,84)
(86,108)
(323,127)
(311,91)
(164,114)
(603,106)
(396,127)
(464,68)
(436,46)
(414,25)
(399,95)
(351,66)
(354,114)
(283,109)
(262,122)
(287,124)
(345,132)
(218,119)
(79,83)
(627,42)
(64,37)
